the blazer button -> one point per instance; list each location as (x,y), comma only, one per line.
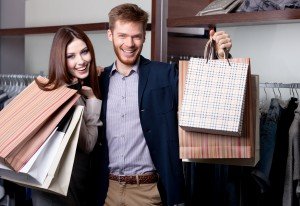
(142,110)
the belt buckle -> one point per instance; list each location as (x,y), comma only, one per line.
(120,181)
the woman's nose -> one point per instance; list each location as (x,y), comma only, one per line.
(80,60)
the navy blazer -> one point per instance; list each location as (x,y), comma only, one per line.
(158,103)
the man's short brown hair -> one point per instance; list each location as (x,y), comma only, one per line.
(127,13)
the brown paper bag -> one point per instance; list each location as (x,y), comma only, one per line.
(24,116)
(19,157)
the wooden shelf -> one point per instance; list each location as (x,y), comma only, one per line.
(53,29)
(238,19)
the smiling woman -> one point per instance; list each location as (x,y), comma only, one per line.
(72,62)
(78,59)
(72,51)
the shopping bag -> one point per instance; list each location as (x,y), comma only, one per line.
(223,149)
(37,167)
(58,176)
(25,116)
(19,157)
(214,96)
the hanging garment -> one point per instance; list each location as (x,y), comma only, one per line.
(292,175)
(277,173)
(268,128)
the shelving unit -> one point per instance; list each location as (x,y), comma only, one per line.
(183,14)
(53,29)
(237,19)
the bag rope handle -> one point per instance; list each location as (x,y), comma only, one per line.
(209,51)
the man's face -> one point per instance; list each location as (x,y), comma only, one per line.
(128,39)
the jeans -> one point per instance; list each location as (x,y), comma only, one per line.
(268,128)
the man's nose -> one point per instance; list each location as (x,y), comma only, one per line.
(129,42)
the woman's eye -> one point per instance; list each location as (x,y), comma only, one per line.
(70,56)
(85,51)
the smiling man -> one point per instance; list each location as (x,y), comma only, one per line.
(139,153)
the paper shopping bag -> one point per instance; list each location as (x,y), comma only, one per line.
(19,157)
(58,175)
(24,117)
(214,96)
(223,149)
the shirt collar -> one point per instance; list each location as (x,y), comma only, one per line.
(135,68)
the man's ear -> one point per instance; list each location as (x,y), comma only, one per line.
(109,35)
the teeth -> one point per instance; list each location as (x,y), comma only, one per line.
(128,51)
(80,69)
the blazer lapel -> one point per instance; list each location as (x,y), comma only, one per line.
(105,85)
(143,77)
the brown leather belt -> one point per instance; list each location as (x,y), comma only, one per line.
(135,179)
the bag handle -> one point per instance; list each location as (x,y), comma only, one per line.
(210,52)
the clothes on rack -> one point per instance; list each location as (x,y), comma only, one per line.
(268,128)
(11,85)
(292,176)
(274,181)
(274,193)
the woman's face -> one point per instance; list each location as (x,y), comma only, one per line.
(78,59)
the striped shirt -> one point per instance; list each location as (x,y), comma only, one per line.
(128,151)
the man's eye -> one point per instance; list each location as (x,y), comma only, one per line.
(137,37)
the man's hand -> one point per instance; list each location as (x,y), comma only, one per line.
(99,70)
(223,42)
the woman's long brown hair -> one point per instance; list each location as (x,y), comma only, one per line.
(58,70)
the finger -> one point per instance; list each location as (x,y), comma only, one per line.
(220,37)
(211,33)
(99,70)
(226,46)
(221,53)
(224,41)
(86,88)
(217,35)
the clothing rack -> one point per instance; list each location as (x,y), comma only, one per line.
(12,84)
(292,88)
(279,85)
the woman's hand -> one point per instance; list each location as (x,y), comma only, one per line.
(223,42)
(87,92)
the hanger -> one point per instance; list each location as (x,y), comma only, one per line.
(264,104)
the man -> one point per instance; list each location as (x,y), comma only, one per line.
(140,148)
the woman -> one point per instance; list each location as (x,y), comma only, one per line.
(72,61)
